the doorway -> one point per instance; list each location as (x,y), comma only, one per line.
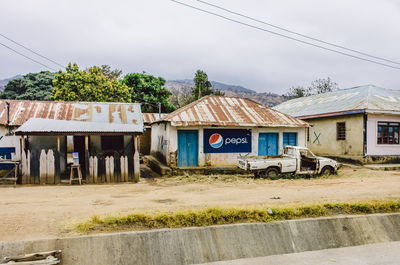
(188,148)
(268,144)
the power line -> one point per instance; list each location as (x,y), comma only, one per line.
(284,36)
(298,34)
(27,57)
(44,57)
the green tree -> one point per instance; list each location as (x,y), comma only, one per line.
(318,86)
(106,70)
(149,91)
(88,85)
(202,87)
(33,86)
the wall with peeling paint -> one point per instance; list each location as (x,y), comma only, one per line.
(164,143)
(322,140)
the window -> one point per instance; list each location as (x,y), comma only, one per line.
(289,139)
(341,131)
(112,142)
(388,132)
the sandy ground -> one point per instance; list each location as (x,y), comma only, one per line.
(29,212)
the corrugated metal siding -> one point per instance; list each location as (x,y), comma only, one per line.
(114,113)
(152,117)
(363,98)
(230,111)
(38,126)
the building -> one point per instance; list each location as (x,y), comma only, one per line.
(360,123)
(95,130)
(214,130)
(145,138)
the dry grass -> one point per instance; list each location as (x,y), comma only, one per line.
(219,216)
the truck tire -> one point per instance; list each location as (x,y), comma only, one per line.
(327,170)
(272,173)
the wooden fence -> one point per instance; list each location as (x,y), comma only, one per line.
(44,168)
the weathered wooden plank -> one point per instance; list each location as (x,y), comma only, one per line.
(42,167)
(95,169)
(112,175)
(50,167)
(108,169)
(24,164)
(136,160)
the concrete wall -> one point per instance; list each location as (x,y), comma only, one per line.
(168,149)
(327,144)
(215,243)
(373,148)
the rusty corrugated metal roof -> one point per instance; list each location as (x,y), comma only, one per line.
(345,101)
(37,126)
(105,112)
(152,117)
(230,111)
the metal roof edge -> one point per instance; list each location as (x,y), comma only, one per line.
(331,114)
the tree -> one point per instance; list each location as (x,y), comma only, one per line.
(88,85)
(148,90)
(106,70)
(33,86)
(318,86)
(321,85)
(202,87)
(181,96)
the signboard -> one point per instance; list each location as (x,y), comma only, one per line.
(6,154)
(75,158)
(227,141)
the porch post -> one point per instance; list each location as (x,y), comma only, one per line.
(136,162)
(87,174)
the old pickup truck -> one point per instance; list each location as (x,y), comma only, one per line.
(295,160)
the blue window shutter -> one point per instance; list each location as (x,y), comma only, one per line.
(289,139)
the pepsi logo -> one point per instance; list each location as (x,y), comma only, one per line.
(216,140)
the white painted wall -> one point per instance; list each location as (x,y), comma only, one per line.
(170,136)
(373,148)
(10,141)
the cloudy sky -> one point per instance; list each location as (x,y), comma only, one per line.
(169,40)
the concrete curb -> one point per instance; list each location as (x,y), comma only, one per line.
(215,243)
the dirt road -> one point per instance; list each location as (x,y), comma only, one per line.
(29,212)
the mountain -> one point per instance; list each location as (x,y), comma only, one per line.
(4,82)
(267,99)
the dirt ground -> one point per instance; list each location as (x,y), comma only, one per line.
(29,212)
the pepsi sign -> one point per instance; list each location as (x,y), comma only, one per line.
(227,141)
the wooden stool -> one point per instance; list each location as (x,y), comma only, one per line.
(71,175)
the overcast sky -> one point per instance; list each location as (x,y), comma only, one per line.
(173,41)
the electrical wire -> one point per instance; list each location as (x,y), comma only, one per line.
(32,51)
(27,57)
(296,33)
(285,36)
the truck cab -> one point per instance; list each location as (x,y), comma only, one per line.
(295,160)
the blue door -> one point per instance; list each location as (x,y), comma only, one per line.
(268,144)
(188,148)
(289,139)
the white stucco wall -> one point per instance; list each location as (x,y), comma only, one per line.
(373,148)
(170,144)
(10,141)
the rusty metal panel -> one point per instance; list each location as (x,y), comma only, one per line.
(152,117)
(344,101)
(230,111)
(102,112)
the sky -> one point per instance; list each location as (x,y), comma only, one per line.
(169,40)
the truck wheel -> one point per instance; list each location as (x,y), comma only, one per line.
(272,173)
(327,170)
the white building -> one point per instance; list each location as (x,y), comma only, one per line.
(214,130)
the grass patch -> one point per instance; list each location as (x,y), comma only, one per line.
(219,216)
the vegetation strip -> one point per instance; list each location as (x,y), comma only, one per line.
(219,216)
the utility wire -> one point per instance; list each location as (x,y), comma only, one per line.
(284,36)
(298,34)
(27,57)
(19,44)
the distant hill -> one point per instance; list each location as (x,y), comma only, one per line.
(4,82)
(267,99)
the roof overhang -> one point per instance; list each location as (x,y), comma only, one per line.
(35,126)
